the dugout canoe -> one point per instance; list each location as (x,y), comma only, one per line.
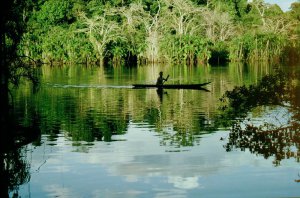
(171,86)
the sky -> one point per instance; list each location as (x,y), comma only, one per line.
(284,4)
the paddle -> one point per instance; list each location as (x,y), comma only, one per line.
(166,79)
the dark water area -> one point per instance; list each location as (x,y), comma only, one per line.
(102,138)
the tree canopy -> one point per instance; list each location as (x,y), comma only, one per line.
(180,31)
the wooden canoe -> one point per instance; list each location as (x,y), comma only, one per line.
(170,86)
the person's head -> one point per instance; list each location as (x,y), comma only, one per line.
(161,73)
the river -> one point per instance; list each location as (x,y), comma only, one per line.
(102,138)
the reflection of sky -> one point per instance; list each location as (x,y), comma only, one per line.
(139,167)
(184,182)
(277,116)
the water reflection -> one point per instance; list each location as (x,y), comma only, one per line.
(278,135)
(14,167)
(160,93)
(15,171)
(281,143)
(134,165)
(92,104)
(90,117)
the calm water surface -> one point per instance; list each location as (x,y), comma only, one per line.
(102,138)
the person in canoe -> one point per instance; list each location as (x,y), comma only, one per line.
(160,80)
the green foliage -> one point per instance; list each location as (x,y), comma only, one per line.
(219,54)
(264,46)
(175,31)
(151,6)
(200,2)
(186,49)
(54,12)
(236,8)
(295,10)
(14,16)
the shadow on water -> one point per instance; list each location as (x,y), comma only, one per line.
(186,132)
(279,135)
(15,134)
(161,93)
(15,169)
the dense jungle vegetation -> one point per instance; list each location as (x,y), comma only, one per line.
(143,31)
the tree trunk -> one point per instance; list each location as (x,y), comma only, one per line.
(4,100)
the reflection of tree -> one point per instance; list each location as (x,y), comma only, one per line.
(14,170)
(73,117)
(92,125)
(272,90)
(187,135)
(88,127)
(104,127)
(281,142)
(265,138)
(153,115)
(183,132)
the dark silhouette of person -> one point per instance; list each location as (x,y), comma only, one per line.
(161,79)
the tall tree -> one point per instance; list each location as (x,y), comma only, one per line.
(218,26)
(11,28)
(100,31)
(295,10)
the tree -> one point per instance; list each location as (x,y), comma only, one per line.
(181,16)
(100,31)
(235,8)
(160,30)
(13,170)
(218,25)
(135,21)
(55,12)
(151,24)
(180,24)
(292,51)
(295,10)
